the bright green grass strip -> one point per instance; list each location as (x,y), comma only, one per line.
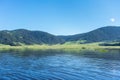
(63,47)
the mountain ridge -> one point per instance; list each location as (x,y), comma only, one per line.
(99,34)
(14,37)
(11,37)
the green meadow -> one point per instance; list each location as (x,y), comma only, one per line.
(58,47)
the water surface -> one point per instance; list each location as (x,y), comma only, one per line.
(59,66)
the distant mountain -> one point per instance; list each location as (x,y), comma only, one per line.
(15,37)
(101,34)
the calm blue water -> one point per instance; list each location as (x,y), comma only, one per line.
(57,67)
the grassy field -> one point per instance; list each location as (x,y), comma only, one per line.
(58,47)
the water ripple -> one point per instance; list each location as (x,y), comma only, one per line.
(58,67)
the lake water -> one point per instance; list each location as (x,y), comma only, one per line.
(59,66)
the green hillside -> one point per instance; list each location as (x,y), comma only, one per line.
(23,36)
(109,33)
(16,37)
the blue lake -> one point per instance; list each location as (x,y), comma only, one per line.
(59,66)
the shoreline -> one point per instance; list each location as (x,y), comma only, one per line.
(58,47)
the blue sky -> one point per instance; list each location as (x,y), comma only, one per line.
(59,17)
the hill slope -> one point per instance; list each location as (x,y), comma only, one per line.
(27,37)
(15,37)
(101,34)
